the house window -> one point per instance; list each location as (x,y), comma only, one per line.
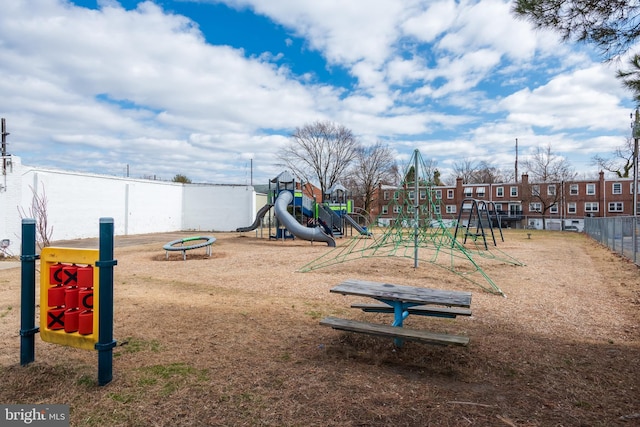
(412,195)
(535,190)
(449,194)
(535,207)
(616,188)
(423,194)
(573,189)
(436,209)
(553,209)
(514,192)
(480,191)
(571,208)
(385,195)
(438,194)
(591,189)
(451,209)
(616,207)
(468,192)
(591,207)
(551,190)
(499,191)
(385,210)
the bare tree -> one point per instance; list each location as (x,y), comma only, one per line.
(321,153)
(374,165)
(38,211)
(477,173)
(487,174)
(465,169)
(547,171)
(622,161)
(545,166)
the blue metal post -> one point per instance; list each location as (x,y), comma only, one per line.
(399,314)
(28,292)
(105,342)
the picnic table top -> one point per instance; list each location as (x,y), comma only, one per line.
(411,294)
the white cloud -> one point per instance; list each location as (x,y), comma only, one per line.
(586,98)
(345,31)
(144,87)
(437,18)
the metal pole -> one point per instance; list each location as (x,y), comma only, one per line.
(28,294)
(636,135)
(416,204)
(105,342)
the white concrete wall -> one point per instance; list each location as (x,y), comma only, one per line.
(76,202)
(218,207)
(153,206)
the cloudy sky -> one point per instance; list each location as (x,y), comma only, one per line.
(212,89)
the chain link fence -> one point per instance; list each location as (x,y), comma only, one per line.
(619,233)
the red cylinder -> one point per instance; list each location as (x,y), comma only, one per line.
(55,274)
(55,318)
(85,299)
(71,320)
(85,324)
(85,277)
(55,296)
(71,297)
(70,275)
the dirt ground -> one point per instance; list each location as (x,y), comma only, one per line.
(234,340)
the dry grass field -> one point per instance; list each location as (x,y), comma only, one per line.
(235,340)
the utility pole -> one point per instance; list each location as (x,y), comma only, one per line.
(516,160)
(3,147)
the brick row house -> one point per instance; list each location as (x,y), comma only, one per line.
(524,204)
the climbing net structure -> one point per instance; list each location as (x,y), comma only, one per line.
(420,233)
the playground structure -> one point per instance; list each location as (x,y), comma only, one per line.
(206,243)
(481,214)
(420,229)
(300,216)
(294,227)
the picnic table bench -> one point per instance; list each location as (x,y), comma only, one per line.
(403,301)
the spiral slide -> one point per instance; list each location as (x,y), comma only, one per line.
(297,229)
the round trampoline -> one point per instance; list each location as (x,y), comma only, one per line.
(179,245)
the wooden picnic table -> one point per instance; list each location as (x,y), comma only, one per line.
(402,301)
